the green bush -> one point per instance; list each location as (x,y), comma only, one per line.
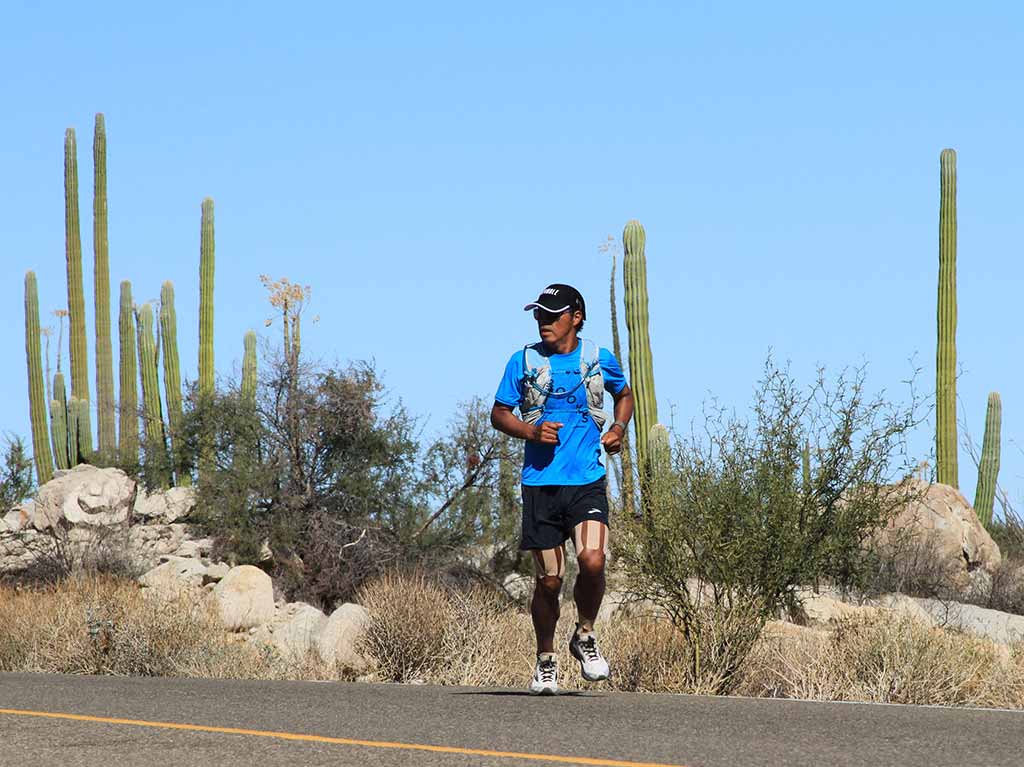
(734,525)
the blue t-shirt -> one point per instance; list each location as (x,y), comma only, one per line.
(576,459)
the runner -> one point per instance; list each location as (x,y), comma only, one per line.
(558,386)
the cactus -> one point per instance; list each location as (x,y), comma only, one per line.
(172,379)
(628,490)
(36,385)
(156,445)
(249,370)
(128,447)
(945,362)
(76,297)
(206,263)
(988,467)
(641,366)
(805,465)
(59,423)
(659,466)
(74,426)
(101,290)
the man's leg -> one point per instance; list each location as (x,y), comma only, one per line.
(550,568)
(591,539)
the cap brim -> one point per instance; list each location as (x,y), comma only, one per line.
(535,305)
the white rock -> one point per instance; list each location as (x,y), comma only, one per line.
(167,506)
(216,572)
(336,641)
(174,576)
(245,598)
(19,517)
(294,630)
(1004,628)
(85,495)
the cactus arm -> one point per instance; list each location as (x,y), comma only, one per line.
(101,290)
(172,379)
(206,273)
(641,367)
(945,362)
(128,448)
(59,423)
(37,399)
(76,297)
(988,466)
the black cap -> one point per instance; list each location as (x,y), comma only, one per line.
(558,298)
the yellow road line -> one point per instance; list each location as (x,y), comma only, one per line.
(341,741)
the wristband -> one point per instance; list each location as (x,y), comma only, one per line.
(620,424)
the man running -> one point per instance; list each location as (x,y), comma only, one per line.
(558,386)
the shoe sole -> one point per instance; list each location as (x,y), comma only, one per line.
(588,677)
(547,691)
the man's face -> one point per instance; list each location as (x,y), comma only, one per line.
(554,327)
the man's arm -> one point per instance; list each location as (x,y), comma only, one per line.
(623,410)
(504,420)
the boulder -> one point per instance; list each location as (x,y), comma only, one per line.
(818,610)
(1000,627)
(18,518)
(294,630)
(84,495)
(244,598)
(943,521)
(167,506)
(174,576)
(337,640)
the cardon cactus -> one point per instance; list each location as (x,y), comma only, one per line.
(206,264)
(74,425)
(128,448)
(628,490)
(659,467)
(172,379)
(36,385)
(988,467)
(945,363)
(59,423)
(249,370)
(76,294)
(101,291)
(156,445)
(641,366)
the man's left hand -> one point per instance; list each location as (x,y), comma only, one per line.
(612,440)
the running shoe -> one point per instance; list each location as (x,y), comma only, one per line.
(593,666)
(545,676)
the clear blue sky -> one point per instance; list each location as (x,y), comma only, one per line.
(427,168)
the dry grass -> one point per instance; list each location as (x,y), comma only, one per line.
(887,658)
(97,624)
(420,631)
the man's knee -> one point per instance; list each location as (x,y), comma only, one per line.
(550,584)
(591,561)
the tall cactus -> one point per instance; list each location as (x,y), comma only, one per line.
(206,264)
(156,445)
(988,467)
(641,366)
(36,386)
(172,379)
(128,447)
(628,489)
(59,423)
(74,427)
(945,362)
(249,370)
(76,293)
(101,291)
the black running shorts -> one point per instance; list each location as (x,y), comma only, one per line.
(551,512)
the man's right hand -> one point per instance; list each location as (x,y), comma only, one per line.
(546,433)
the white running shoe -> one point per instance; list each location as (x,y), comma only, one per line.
(545,676)
(593,666)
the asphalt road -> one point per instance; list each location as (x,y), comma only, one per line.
(199,722)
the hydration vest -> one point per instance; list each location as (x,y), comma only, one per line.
(537,386)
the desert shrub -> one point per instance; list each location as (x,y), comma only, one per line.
(912,565)
(16,474)
(734,525)
(89,624)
